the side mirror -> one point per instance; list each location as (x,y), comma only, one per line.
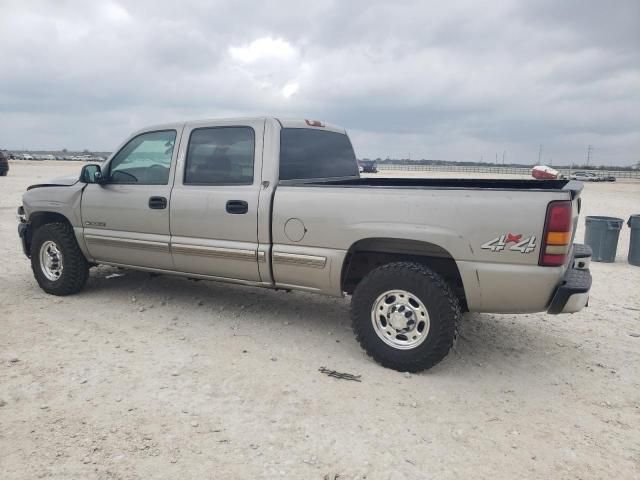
(91,173)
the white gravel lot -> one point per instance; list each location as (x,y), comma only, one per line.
(144,377)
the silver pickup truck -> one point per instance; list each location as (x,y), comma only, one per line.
(280,204)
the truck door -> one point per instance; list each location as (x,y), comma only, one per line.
(126,220)
(214,202)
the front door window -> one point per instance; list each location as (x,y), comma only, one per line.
(145,160)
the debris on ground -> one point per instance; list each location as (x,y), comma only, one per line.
(332,476)
(340,375)
(114,275)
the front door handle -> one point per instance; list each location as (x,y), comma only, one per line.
(237,206)
(157,203)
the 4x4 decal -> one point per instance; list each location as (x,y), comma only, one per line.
(498,244)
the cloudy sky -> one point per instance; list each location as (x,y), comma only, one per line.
(455,80)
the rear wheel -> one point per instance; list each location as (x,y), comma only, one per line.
(58,264)
(405,316)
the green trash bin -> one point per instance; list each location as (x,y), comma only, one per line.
(601,235)
(634,243)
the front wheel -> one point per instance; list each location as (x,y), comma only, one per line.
(405,316)
(58,264)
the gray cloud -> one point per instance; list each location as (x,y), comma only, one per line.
(455,80)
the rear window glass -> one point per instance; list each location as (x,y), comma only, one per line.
(307,153)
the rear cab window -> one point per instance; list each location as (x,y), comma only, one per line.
(309,153)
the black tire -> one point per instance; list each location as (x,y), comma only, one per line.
(432,290)
(75,269)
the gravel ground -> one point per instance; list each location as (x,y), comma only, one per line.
(142,377)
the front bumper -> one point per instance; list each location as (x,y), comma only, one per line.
(24,232)
(25,237)
(573,293)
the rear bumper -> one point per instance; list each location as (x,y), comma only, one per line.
(573,293)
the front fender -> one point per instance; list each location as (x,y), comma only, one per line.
(57,201)
(64,200)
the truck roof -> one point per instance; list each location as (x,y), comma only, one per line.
(307,123)
(284,122)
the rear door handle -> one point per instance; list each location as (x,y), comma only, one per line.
(157,203)
(237,206)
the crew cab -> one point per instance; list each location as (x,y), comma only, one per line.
(280,204)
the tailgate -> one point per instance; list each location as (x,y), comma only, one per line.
(575,189)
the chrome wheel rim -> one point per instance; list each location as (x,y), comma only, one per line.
(51,260)
(400,319)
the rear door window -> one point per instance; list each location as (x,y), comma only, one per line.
(220,156)
(307,153)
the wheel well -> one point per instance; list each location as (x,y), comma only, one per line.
(37,219)
(368,254)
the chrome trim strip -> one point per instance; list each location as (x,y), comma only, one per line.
(262,257)
(301,288)
(299,259)
(101,241)
(191,275)
(218,252)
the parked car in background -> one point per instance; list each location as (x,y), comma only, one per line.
(586,177)
(368,166)
(26,156)
(608,178)
(4,164)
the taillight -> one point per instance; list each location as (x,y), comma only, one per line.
(557,234)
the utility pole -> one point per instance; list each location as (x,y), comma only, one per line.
(589,152)
(504,152)
(496,158)
(539,154)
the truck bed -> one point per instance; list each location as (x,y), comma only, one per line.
(456,218)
